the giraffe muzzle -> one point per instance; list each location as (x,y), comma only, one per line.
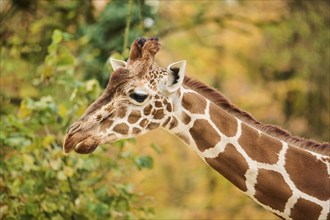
(80,143)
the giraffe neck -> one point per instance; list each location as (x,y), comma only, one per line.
(289,181)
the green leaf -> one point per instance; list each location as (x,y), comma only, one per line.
(57,36)
(91,85)
(48,206)
(28,162)
(101,210)
(144,162)
(120,143)
(131,140)
(61,176)
(101,193)
(67,36)
(65,57)
(31,208)
(55,164)
(64,186)
(27,186)
(156,148)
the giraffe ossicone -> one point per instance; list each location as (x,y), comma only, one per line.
(287,175)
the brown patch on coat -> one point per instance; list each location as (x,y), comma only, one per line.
(134,117)
(158,104)
(98,117)
(122,112)
(304,209)
(272,190)
(261,148)
(159,114)
(173,123)
(204,135)
(147,110)
(166,121)
(121,128)
(143,123)
(169,107)
(136,130)
(226,123)
(105,124)
(185,118)
(153,125)
(309,174)
(194,103)
(232,165)
(109,108)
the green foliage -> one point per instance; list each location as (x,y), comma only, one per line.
(144,162)
(37,180)
(298,64)
(107,35)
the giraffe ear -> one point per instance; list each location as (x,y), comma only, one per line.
(116,64)
(176,72)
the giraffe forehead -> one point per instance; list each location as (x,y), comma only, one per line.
(148,83)
(152,72)
(150,79)
(155,74)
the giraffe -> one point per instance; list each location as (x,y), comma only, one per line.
(287,175)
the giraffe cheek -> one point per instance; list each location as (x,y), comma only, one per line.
(134,117)
(158,114)
(152,126)
(106,124)
(121,129)
(143,123)
(109,138)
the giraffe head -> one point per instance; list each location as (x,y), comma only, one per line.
(138,98)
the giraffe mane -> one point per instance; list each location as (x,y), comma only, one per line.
(272,130)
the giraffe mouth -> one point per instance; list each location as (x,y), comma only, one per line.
(84,145)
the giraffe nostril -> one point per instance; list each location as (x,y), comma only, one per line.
(73,128)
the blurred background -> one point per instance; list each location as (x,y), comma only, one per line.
(270,58)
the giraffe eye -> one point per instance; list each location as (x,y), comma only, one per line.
(138,97)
